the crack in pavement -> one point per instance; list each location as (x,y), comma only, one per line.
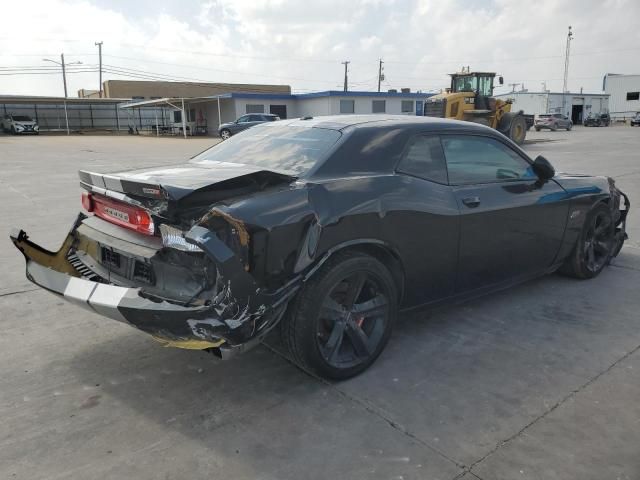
(567,397)
(19,291)
(371,409)
(624,267)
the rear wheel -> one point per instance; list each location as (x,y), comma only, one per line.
(594,247)
(342,319)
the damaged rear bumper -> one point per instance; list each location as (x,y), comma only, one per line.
(233,320)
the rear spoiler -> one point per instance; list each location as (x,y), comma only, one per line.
(116,184)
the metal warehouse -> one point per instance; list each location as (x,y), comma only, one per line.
(625,94)
(577,106)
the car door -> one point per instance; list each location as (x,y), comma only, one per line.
(426,222)
(242,123)
(511,222)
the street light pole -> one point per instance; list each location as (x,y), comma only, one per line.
(64,75)
(64,80)
(64,71)
(99,44)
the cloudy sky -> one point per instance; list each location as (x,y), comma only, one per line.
(302,43)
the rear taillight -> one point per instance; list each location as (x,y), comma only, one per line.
(87,201)
(120,213)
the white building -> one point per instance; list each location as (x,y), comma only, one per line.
(574,105)
(206,113)
(625,94)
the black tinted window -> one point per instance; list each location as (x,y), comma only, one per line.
(482,160)
(275,147)
(423,158)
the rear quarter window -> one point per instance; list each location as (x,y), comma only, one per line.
(424,158)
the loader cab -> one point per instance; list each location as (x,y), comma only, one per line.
(476,82)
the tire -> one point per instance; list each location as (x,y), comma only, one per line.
(518,129)
(569,127)
(537,129)
(327,336)
(594,246)
(13,130)
(225,134)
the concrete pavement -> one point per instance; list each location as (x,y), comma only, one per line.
(536,382)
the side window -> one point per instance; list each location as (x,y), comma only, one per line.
(475,159)
(243,119)
(423,158)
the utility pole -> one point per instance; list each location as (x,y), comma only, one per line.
(99,44)
(346,79)
(566,69)
(513,86)
(380,74)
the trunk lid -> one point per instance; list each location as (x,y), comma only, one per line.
(177,182)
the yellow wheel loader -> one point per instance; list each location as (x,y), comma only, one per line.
(470,98)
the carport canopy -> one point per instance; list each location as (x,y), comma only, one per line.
(178,103)
(64,101)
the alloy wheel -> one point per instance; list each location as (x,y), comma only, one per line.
(352,320)
(598,241)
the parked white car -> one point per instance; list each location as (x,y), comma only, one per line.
(19,124)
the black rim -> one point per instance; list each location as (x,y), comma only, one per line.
(598,242)
(352,320)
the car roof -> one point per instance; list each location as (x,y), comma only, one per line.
(342,122)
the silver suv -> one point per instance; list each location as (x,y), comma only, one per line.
(15,124)
(552,121)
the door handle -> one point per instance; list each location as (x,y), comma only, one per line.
(471,202)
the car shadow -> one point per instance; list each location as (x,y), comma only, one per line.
(461,378)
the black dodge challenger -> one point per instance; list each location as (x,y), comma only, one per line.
(327,227)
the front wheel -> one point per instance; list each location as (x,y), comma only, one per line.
(594,246)
(518,129)
(342,319)
(569,127)
(225,134)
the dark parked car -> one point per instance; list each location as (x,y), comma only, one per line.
(246,121)
(635,121)
(597,120)
(328,227)
(553,121)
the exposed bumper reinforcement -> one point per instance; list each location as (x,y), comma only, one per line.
(227,325)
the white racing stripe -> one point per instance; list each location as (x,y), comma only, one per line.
(112,183)
(105,300)
(78,291)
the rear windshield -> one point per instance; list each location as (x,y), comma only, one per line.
(21,118)
(281,148)
(544,116)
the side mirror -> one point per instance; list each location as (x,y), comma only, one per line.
(543,168)
(501,80)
